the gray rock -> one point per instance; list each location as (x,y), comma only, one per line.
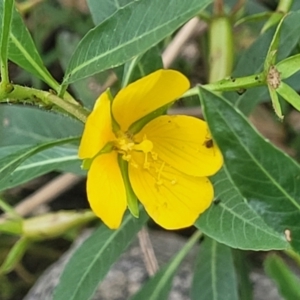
(128,274)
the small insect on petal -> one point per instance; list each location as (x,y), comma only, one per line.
(209,143)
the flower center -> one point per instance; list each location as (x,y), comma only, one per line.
(125,144)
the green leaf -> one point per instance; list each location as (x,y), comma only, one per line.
(6,26)
(288,66)
(295,5)
(214,276)
(101,10)
(243,270)
(287,282)
(265,176)
(93,259)
(27,125)
(275,102)
(158,287)
(22,50)
(49,160)
(230,220)
(273,48)
(9,163)
(129,32)
(289,94)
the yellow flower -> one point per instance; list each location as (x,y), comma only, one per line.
(168,158)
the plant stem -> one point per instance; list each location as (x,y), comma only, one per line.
(61,90)
(284,6)
(24,94)
(239,84)
(221,53)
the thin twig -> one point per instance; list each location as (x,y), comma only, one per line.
(147,252)
(47,193)
(184,34)
(110,80)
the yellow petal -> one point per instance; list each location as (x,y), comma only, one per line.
(174,200)
(106,190)
(184,143)
(144,96)
(98,128)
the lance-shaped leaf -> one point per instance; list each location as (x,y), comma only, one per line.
(127,33)
(289,66)
(53,159)
(93,259)
(273,48)
(22,50)
(243,269)
(289,94)
(10,162)
(214,276)
(275,101)
(230,220)
(265,176)
(21,125)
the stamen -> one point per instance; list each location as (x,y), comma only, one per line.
(125,145)
(159,181)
